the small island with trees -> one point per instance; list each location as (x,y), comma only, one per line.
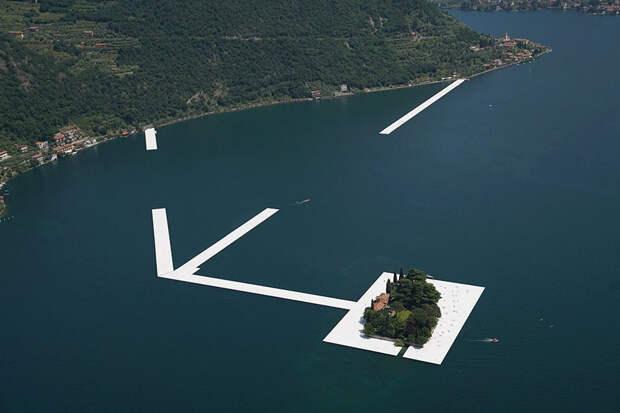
(407,312)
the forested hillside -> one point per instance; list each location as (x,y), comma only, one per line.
(109,65)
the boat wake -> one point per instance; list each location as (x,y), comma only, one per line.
(303,201)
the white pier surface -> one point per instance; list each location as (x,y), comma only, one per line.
(151,140)
(456,303)
(420,108)
(350,329)
(192,265)
(163,252)
(261,290)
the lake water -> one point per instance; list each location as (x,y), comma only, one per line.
(522,197)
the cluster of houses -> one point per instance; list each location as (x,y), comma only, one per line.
(513,56)
(68,141)
(601,7)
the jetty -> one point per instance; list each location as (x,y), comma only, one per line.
(151,140)
(397,124)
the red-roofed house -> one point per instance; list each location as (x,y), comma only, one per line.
(381,301)
(4,154)
(59,138)
(43,146)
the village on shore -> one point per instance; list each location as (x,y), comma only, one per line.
(70,139)
(67,141)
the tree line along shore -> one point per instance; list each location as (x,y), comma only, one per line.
(95,68)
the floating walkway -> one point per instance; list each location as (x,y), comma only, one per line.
(420,108)
(261,290)
(192,265)
(163,251)
(456,303)
(151,140)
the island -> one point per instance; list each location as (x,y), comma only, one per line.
(407,312)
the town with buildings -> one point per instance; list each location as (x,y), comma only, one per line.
(514,51)
(68,141)
(596,7)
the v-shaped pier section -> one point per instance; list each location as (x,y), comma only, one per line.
(456,303)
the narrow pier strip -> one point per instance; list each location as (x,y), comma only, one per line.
(151,140)
(420,108)
(163,251)
(192,265)
(261,290)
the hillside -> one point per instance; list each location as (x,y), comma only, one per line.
(109,65)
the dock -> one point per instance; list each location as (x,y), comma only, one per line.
(397,124)
(151,140)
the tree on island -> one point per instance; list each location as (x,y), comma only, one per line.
(411,313)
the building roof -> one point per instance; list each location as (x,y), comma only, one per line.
(3,152)
(381,301)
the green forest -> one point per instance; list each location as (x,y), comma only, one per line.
(110,65)
(412,311)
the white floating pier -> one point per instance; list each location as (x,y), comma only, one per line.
(192,265)
(262,290)
(163,252)
(420,108)
(151,140)
(350,329)
(456,303)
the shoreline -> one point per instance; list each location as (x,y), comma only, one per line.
(594,12)
(113,137)
(360,92)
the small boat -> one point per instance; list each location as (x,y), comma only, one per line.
(303,201)
(495,340)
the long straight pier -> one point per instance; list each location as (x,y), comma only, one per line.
(420,108)
(192,265)
(261,290)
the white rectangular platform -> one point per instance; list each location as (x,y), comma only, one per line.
(420,108)
(350,329)
(456,303)
(151,140)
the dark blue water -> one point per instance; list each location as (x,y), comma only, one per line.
(521,197)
